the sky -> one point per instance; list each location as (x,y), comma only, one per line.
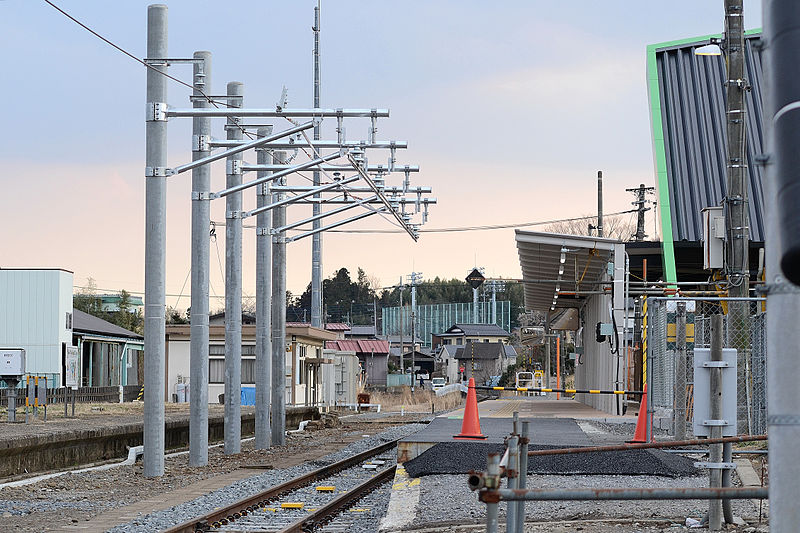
(509,108)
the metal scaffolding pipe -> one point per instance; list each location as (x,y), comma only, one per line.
(389,190)
(671,493)
(647,445)
(233,286)
(241,147)
(155,246)
(279,113)
(201,221)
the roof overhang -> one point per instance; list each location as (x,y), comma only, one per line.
(561,271)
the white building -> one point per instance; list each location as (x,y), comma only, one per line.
(36,315)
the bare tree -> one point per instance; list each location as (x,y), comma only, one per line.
(620,227)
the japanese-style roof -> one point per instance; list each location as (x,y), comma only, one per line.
(337,326)
(360,346)
(491,330)
(480,350)
(90,324)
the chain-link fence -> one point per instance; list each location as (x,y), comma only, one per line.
(675,327)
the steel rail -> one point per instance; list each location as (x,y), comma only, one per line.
(329,510)
(247,505)
(648,445)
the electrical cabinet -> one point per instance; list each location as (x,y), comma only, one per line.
(12,362)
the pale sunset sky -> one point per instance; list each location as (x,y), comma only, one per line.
(509,108)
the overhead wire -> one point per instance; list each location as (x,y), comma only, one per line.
(453,229)
(142,61)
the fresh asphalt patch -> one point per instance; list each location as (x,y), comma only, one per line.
(463,457)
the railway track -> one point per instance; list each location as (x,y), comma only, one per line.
(296,505)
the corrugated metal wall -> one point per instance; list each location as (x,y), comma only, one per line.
(693,115)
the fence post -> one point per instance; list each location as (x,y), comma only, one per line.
(523,475)
(493,472)
(715,450)
(679,409)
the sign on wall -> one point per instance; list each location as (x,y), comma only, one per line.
(72,376)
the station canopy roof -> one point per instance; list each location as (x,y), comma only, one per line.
(568,265)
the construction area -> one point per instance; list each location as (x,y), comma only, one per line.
(588,377)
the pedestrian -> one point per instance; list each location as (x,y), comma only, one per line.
(421,382)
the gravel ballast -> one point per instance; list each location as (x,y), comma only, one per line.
(463,457)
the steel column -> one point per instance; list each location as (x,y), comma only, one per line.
(278,407)
(233,284)
(155,242)
(263,303)
(201,221)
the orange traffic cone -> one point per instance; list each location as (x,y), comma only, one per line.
(471,426)
(641,422)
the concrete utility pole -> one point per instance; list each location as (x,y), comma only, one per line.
(233,282)
(736,202)
(316,239)
(640,203)
(263,301)
(782,136)
(201,221)
(155,252)
(599,203)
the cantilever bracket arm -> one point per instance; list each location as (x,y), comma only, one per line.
(336,224)
(292,199)
(242,147)
(276,175)
(336,211)
(382,197)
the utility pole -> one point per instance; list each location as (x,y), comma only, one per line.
(599,203)
(155,248)
(278,403)
(201,220)
(736,202)
(736,208)
(640,203)
(233,282)
(316,239)
(782,131)
(263,302)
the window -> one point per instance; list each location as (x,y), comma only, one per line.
(216,370)
(446,341)
(216,364)
(485,340)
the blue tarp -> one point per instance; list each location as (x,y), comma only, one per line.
(248,395)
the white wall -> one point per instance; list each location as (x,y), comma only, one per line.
(33,312)
(179,357)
